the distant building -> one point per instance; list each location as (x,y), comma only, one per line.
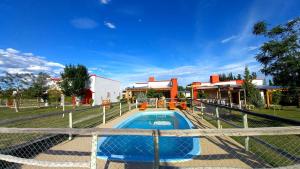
(97,89)
(102,88)
(169,88)
(230,91)
(53,83)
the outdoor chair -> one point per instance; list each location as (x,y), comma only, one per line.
(172,105)
(143,106)
(183,105)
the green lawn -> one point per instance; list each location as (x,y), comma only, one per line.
(290,112)
(9,113)
(289,143)
(82,118)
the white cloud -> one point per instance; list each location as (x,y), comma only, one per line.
(251,48)
(84,23)
(14,61)
(11,50)
(229,39)
(110,25)
(104,1)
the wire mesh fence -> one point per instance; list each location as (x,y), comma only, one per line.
(127,148)
(275,151)
(239,141)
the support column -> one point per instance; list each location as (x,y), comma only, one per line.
(103,121)
(267,98)
(239,99)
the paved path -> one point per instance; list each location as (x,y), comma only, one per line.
(215,151)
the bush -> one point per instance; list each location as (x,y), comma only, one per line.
(141,97)
(255,98)
(54,96)
(276,97)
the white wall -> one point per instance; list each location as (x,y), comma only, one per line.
(103,88)
(258,82)
(159,84)
(137,85)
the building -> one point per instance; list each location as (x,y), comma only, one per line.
(169,88)
(97,90)
(231,91)
(101,88)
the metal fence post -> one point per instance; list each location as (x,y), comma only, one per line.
(136,104)
(202,110)
(218,117)
(70,124)
(129,106)
(104,114)
(156,149)
(93,164)
(245,121)
(120,108)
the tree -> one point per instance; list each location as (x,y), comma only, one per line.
(253,75)
(141,97)
(280,55)
(151,93)
(252,93)
(239,77)
(270,82)
(40,87)
(54,96)
(14,84)
(74,80)
(181,88)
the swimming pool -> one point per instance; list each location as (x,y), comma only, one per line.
(140,148)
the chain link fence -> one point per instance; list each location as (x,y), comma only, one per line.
(276,151)
(225,138)
(128,148)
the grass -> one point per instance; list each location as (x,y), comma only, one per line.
(9,113)
(290,112)
(288,143)
(93,116)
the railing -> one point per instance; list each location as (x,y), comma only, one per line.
(158,103)
(157,135)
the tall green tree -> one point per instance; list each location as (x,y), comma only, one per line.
(74,80)
(252,93)
(280,55)
(239,77)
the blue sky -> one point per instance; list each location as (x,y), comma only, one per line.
(132,40)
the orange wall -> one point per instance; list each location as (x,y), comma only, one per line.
(151,79)
(214,79)
(195,91)
(174,89)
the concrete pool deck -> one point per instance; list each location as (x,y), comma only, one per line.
(215,151)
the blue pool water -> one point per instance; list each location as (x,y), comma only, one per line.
(140,148)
